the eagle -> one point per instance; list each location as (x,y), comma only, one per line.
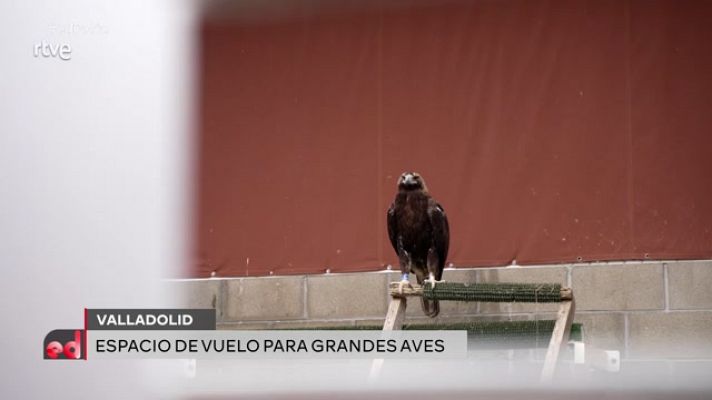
(420,234)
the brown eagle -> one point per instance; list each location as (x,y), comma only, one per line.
(419,233)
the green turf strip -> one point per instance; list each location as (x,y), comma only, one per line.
(494,292)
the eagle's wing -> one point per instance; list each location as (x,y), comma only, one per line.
(441,232)
(392,226)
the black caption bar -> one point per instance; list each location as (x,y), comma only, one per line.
(151,319)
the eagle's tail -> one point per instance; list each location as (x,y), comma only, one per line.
(431,308)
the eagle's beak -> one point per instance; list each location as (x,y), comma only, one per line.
(409,179)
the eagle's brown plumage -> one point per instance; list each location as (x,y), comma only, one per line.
(419,232)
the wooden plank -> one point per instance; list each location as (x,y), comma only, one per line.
(396,315)
(412,290)
(394,322)
(559,338)
(417,290)
(567,294)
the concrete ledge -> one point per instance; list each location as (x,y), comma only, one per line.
(619,287)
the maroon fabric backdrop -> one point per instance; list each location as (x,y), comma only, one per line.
(551,131)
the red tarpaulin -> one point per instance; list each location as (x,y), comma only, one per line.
(551,131)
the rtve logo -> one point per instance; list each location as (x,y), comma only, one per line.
(65,344)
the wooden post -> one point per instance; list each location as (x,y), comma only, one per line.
(559,338)
(396,314)
(394,322)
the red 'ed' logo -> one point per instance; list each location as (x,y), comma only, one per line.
(64,344)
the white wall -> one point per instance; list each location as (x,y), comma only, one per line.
(94,158)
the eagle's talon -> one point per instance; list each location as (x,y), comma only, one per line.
(432,282)
(402,284)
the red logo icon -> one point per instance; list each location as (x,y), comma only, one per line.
(64,344)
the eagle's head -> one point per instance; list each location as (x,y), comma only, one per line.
(410,181)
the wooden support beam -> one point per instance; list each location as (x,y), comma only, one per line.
(559,338)
(417,290)
(567,294)
(412,290)
(396,315)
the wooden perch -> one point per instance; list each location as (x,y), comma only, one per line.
(417,290)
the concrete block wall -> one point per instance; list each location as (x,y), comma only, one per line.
(647,310)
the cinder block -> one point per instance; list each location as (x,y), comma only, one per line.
(681,334)
(603,330)
(264,298)
(619,287)
(347,295)
(555,274)
(199,293)
(689,285)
